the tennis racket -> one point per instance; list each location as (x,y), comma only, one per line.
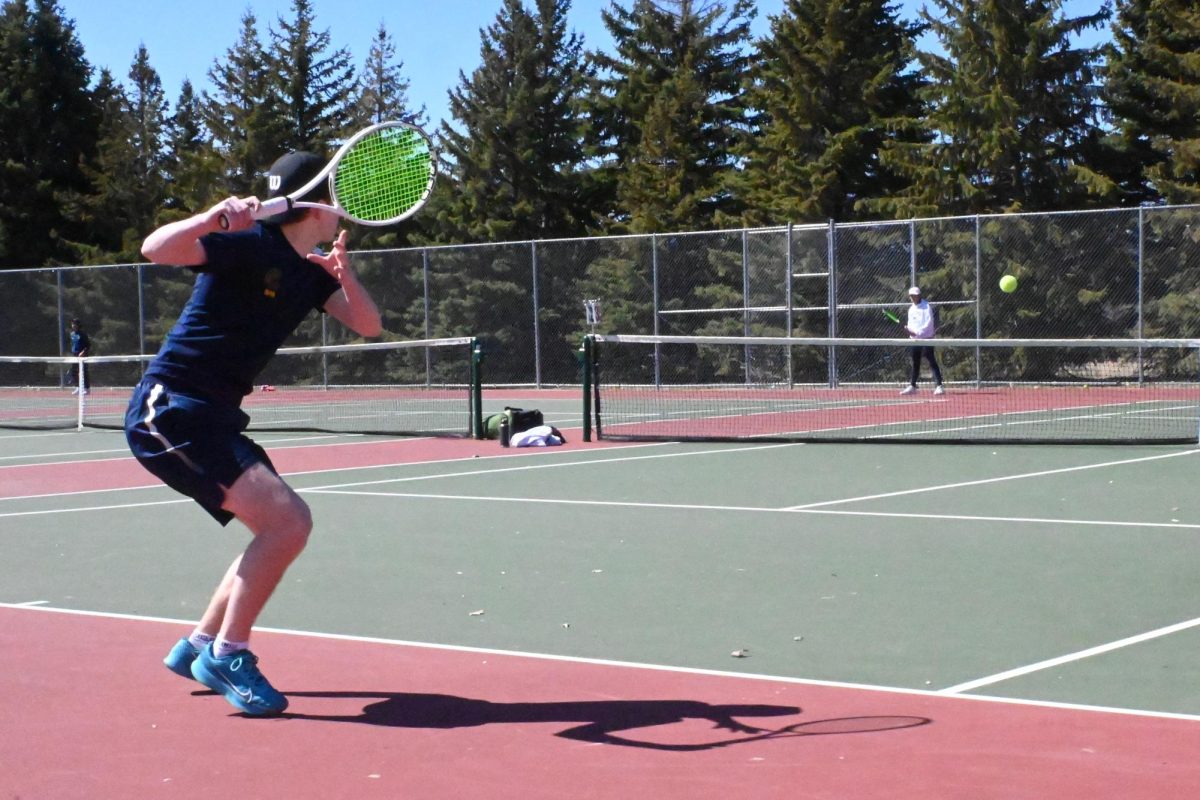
(381,175)
(887,312)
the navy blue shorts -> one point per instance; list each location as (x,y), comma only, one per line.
(193,445)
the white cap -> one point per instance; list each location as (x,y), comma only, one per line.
(914,290)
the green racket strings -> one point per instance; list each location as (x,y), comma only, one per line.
(384,175)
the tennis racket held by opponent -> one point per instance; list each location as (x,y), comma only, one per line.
(382,175)
(887,312)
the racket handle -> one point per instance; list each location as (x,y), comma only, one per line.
(276,205)
(268,208)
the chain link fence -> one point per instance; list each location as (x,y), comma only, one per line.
(1127,273)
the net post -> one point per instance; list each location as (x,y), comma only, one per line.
(82,379)
(585,361)
(476,404)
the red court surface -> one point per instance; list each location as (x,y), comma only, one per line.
(89,712)
(31,480)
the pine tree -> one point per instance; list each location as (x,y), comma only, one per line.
(830,76)
(382,90)
(668,110)
(193,164)
(111,211)
(1012,111)
(244,113)
(515,172)
(660,188)
(128,173)
(1152,91)
(48,125)
(314,85)
(516,164)
(149,108)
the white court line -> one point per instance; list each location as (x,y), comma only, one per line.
(342,488)
(545,501)
(977,518)
(4,437)
(66,453)
(332,490)
(129,456)
(603,662)
(1082,654)
(155,484)
(743,509)
(998,479)
(525,467)
(45,511)
(262,441)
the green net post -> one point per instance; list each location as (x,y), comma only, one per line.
(477,389)
(585,367)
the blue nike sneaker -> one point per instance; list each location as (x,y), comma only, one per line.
(180,659)
(237,678)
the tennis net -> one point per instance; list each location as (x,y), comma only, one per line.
(423,387)
(821,389)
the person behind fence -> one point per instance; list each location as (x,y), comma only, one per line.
(81,346)
(256,281)
(922,324)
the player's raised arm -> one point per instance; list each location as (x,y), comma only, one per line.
(351,305)
(178,243)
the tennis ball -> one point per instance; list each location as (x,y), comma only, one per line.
(1008,284)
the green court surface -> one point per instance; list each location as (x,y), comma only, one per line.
(1046,574)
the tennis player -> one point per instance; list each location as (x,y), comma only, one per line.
(255,282)
(921,325)
(81,345)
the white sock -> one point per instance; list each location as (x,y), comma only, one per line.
(200,640)
(223,648)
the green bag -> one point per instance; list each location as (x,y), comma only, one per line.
(519,419)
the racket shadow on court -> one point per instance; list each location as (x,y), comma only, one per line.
(598,721)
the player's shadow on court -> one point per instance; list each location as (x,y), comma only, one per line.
(599,721)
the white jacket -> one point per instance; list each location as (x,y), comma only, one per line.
(921,324)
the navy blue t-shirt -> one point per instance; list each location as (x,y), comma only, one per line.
(79,342)
(249,296)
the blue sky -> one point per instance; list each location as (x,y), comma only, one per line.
(434,40)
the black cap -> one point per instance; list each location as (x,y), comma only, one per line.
(292,171)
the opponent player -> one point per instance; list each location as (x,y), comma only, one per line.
(256,281)
(921,325)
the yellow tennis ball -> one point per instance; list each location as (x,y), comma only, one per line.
(1008,284)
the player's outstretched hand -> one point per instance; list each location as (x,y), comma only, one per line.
(337,261)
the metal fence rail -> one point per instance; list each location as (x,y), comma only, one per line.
(1121,273)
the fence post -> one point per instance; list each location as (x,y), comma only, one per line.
(912,252)
(831,258)
(425,301)
(1141,278)
(537,328)
(141,294)
(746,302)
(787,298)
(978,303)
(324,355)
(62,326)
(654,284)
